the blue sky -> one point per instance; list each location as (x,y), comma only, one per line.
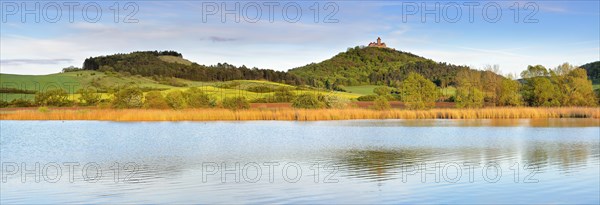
(557,32)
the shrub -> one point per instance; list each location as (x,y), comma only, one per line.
(20,103)
(129,97)
(89,96)
(43,109)
(260,89)
(382,90)
(54,97)
(176,99)
(155,100)
(195,98)
(233,84)
(16,90)
(3,104)
(236,103)
(308,101)
(283,94)
(367,98)
(381,103)
(336,102)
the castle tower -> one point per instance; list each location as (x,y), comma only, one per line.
(378,44)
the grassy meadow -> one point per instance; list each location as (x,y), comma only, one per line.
(72,81)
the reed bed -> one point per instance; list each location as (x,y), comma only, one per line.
(289,114)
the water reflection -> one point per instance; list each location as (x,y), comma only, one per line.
(378,165)
(371,156)
(387,164)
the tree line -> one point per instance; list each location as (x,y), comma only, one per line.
(564,85)
(148,63)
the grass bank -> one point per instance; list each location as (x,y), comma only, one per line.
(295,114)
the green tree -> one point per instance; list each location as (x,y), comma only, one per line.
(418,92)
(381,103)
(176,100)
(382,90)
(577,90)
(283,94)
(236,103)
(543,92)
(195,98)
(469,97)
(155,100)
(509,93)
(89,96)
(308,101)
(128,97)
(535,71)
(336,102)
(53,97)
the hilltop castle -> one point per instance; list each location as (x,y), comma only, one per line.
(377,44)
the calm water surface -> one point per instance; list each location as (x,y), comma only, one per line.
(366,161)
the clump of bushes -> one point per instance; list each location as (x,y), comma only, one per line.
(53,97)
(89,96)
(176,100)
(233,84)
(155,100)
(235,103)
(191,98)
(16,90)
(4,104)
(129,97)
(169,81)
(367,98)
(260,89)
(196,98)
(19,102)
(336,102)
(381,103)
(308,101)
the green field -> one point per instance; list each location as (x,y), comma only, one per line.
(362,89)
(596,86)
(72,81)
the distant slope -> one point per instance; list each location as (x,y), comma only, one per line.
(593,71)
(172,64)
(72,81)
(375,66)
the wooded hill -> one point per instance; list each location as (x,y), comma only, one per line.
(593,71)
(376,66)
(172,64)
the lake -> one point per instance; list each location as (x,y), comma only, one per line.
(363,161)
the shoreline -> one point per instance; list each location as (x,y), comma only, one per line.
(288,114)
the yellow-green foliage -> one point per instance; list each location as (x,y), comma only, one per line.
(469,97)
(235,103)
(155,100)
(418,92)
(308,101)
(381,103)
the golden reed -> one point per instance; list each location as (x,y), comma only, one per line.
(297,114)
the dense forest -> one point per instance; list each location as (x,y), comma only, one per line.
(593,71)
(376,66)
(149,63)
